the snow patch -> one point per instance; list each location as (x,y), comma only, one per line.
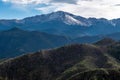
(72,21)
(114,24)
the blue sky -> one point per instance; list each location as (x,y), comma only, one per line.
(11,9)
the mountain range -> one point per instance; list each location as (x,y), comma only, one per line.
(64,24)
(60,46)
(15,41)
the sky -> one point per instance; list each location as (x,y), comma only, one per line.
(18,9)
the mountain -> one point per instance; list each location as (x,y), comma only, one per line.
(99,74)
(115,36)
(71,62)
(60,16)
(15,42)
(93,39)
(106,42)
(88,39)
(64,24)
(8,24)
(58,23)
(45,34)
(114,50)
(110,46)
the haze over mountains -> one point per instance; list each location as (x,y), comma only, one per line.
(65,24)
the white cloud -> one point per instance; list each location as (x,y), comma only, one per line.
(65,1)
(87,8)
(46,10)
(25,2)
(39,1)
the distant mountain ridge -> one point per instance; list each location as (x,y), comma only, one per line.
(15,42)
(65,24)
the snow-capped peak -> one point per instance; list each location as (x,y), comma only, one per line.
(64,17)
(72,21)
(57,15)
(67,18)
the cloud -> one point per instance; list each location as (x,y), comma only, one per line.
(87,8)
(65,1)
(26,2)
(117,5)
(47,9)
(39,1)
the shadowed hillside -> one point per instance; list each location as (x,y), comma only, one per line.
(57,64)
(100,74)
